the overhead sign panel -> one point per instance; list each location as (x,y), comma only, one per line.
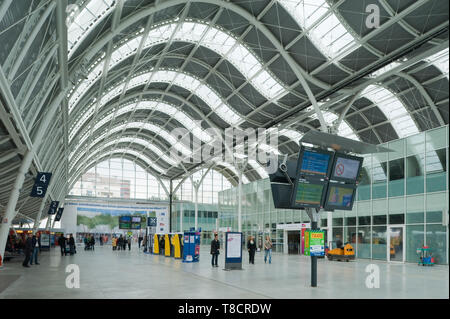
(41,184)
(59,214)
(53,207)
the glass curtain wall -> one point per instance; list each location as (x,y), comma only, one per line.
(408,186)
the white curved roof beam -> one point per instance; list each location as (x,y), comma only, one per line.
(104,156)
(157,130)
(188,82)
(85,20)
(441,61)
(213,38)
(137,140)
(130,151)
(162,107)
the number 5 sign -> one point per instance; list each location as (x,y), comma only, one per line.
(40,184)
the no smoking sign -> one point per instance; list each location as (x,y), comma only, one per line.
(339,169)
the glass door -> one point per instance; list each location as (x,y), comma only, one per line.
(396,244)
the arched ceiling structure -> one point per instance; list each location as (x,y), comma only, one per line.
(82,80)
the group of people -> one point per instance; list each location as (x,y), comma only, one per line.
(89,242)
(32,249)
(251,248)
(121,243)
(65,243)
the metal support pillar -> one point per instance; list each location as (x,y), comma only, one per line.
(196,187)
(170,206)
(240,202)
(10,211)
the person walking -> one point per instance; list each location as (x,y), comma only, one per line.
(129,242)
(36,249)
(140,239)
(125,242)
(92,242)
(268,249)
(215,246)
(28,249)
(120,242)
(62,244)
(72,244)
(100,239)
(113,243)
(251,247)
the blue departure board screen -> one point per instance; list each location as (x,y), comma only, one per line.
(315,163)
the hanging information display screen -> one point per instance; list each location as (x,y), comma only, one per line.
(340,196)
(309,193)
(315,163)
(124,222)
(346,168)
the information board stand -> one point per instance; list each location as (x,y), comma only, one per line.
(45,240)
(233,251)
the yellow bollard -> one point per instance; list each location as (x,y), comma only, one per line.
(176,245)
(167,245)
(155,244)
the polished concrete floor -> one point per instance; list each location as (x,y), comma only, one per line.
(132,274)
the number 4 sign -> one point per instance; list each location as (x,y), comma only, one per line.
(40,184)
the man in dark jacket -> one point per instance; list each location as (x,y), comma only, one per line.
(215,246)
(251,247)
(36,249)
(62,244)
(28,250)
(72,244)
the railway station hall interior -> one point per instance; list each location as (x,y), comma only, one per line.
(224,149)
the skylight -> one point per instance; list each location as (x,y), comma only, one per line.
(86,20)
(212,37)
(441,61)
(392,108)
(166,108)
(188,82)
(329,35)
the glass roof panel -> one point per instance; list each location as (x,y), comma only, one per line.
(215,39)
(86,20)
(392,108)
(441,61)
(329,35)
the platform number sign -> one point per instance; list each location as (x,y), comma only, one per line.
(53,207)
(40,184)
(59,214)
(151,221)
